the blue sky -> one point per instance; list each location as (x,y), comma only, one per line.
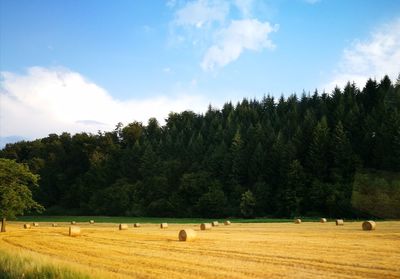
(86,65)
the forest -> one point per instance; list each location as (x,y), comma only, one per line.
(331,154)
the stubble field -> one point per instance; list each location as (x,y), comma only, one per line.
(265,250)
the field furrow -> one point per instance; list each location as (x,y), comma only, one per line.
(237,251)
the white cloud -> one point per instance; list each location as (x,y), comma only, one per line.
(372,58)
(208,25)
(44,101)
(245,7)
(202,12)
(240,35)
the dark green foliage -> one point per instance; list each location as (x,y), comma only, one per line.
(286,157)
(213,202)
(318,152)
(247,204)
(292,191)
(16,182)
(377,194)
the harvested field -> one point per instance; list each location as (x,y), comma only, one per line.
(312,250)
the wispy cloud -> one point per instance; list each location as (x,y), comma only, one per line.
(375,57)
(223,38)
(245,7)
(90,122)
(48,100)
(167,70)
(202,12)
(240,35)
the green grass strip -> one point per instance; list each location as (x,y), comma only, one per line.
(153,220)
(14,266)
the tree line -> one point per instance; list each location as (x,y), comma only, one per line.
(300,155)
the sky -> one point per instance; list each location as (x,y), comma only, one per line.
(84,66)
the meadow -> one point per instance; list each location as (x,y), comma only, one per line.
(241,250)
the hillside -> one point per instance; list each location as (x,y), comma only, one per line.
(286,157)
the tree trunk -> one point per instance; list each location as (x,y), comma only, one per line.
(3,224)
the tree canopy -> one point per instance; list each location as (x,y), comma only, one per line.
(271,157)
(16,182)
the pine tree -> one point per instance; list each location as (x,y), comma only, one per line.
(290,193)
(247,204)
(342,155)
(238,164)
(256,165)
(318,152)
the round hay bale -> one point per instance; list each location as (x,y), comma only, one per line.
(163,225)
(27,226)
(74,230)
(54,225)
(323,220)
(136,225)
(215,224)
(339,222)
(35,224)
(368,225)
(205,226)
(187,235)
(227,223)
(123,227)
(91,222)
(297,221)
(73,222)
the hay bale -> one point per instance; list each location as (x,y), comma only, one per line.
(227,223)
(73,222)
(187,235)
(74,230)
(297,221)
(215,224)
(54,225)
(123,227)
(205,226)
(339,222)
(163,225)
(323,220)
(91,222)
(368,225)
(136,225)
(35,224)
(27,226)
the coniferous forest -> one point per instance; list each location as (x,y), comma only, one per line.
(330,154)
